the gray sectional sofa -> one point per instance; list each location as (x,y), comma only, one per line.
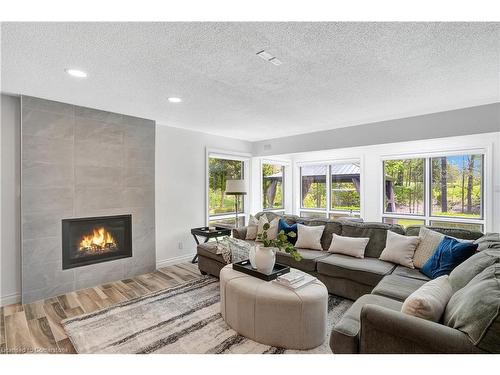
(374,323)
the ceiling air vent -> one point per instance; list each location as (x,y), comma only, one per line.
(269,58)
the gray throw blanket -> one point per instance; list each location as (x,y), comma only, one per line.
(488,241)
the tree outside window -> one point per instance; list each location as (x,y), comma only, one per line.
(272,186)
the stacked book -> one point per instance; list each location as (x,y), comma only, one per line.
(295,279)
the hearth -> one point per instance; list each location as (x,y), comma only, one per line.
(92,240)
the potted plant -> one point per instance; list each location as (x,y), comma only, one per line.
(265,255)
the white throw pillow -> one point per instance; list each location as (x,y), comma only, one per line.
(430,300)
(309,236)
(400,249)
(253,226)
(272,232)
(352,246)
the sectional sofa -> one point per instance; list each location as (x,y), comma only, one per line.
(374,323)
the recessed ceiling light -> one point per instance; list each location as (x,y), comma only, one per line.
(174,100)
(76,73)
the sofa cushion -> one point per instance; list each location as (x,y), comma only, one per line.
(331,227)
(473,266)
(488,241)
(376,231)
(397,287)
(345,334)
(368,271)
(308,262)
(463,234)
(209,250)
(409,272)
(475,308)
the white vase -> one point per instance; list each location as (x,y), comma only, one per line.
(251,256)
(265,259)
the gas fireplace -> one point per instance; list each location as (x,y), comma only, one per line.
(92,240)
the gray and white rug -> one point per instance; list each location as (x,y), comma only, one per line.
(183,319)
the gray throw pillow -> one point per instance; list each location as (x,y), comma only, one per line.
(473,266)
(474,310)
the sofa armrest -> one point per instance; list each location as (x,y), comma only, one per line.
(388,331)
(240,233)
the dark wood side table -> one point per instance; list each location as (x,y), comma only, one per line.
(208,234)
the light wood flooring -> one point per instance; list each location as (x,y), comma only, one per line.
(36,328)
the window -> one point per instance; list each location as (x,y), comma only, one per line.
(404,186)
(345,182)
(445,191)
(272,186)
(334,197)
(313,179)
(457,186)
(221,207)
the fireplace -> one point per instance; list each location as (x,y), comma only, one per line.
(92,240)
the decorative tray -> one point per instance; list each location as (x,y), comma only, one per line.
(245,267)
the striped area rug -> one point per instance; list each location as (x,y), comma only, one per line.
(183,319)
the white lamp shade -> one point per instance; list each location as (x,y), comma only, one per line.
(236,187)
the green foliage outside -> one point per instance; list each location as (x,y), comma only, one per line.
(456,186)
(316,196)
(219,171)
(344,196)
(408,182)
(267,184)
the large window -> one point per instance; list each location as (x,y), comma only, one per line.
(221,207)
(440,191)
(330,190)
(272,186)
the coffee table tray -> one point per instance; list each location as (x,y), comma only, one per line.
(245,267)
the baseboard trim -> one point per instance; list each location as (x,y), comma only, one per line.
(9,299)
(174,260)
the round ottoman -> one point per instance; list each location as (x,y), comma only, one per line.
(273,314)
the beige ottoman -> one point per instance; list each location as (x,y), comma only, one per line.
(273,314)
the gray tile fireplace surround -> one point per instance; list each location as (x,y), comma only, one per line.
(81,162)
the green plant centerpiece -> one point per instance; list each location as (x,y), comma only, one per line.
(280,242)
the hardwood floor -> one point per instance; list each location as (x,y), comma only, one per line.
(36,328)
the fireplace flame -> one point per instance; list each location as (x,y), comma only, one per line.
(98,241)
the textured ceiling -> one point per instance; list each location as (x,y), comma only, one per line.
(333,74)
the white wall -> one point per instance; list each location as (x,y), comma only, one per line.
(472,120)
(180,187)
(371,163)
(10,248)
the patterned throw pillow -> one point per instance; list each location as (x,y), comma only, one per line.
(233,250)
(253,226)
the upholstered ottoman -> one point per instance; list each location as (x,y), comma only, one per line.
(273,314)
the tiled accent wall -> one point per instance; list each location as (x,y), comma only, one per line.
(80,162)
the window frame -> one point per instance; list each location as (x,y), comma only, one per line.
(227,155)
(427,217)
(284,165)
(328,210)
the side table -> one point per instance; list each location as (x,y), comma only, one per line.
(207,234)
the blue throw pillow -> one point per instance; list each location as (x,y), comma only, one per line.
(449,254)
(283,225)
